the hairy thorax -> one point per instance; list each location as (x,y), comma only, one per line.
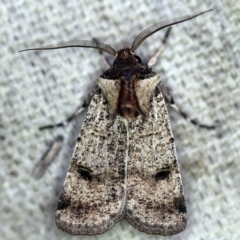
(128,86)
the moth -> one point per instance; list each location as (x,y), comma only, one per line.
(124,163)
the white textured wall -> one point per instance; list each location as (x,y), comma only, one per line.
(200,65)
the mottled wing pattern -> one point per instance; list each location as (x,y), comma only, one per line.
(155,201)
(94,192)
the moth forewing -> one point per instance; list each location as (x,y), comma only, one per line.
(94,191)
(156,203)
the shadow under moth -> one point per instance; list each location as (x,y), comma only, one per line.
(124,163)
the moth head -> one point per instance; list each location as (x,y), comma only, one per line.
(129,52)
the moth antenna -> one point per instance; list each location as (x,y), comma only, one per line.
(77,43)
(158,26)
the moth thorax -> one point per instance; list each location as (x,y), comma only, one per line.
(128,104)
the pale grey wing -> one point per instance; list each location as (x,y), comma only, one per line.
(155,200)
(94,192)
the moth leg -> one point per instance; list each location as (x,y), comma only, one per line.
(154,58)
(48,157)
(78,111)
(169,100)
(104,59)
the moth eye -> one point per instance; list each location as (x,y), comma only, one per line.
(161,175)
(138,59)
(85,174)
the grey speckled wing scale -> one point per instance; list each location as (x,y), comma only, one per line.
(94,192)
(156,203)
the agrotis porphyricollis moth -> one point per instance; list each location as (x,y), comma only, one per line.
(124,163)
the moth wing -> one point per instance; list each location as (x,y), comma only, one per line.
(155,201)
(94,192)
